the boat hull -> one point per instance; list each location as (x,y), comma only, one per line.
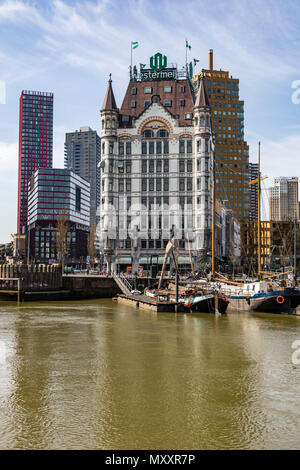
(280,302)
(207,305)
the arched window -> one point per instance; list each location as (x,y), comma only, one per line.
(148,133)
(108,123)
(162,133)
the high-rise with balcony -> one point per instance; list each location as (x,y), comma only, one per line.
(231,150)
(82,155)
(283,199)
(35,144)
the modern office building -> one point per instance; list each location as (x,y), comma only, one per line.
(83,155)
(283,199)
(231,150)
(35,144)
(54,193)
(157,169)
(253,191)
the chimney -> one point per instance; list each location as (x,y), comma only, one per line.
(211,59)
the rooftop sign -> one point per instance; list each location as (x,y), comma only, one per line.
(158,70)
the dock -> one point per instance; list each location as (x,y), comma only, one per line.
(147,303)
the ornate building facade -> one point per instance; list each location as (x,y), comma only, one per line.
(157,170)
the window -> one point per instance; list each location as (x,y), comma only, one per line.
(166,147)
(158,184)
(166,166)
(128,148)
(148,133)
(144,148)
(146,103)
(151,148)
(121,148)
(181,184)
(189,185)
(182,89)
(148,90)
(167,103)
(187,116)
(181,166)
(144,166)
(162,133)
(151,184)
(133,104)
(151,166)
(189,146)
(168,89)
(158,166)
(182,102)
(144,185)
(181,146)
(189,166)
(133,91)
(166,184)
(111,147)
(128,185)
(158,147)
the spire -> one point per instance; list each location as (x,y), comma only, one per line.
(109,100)
(202,98)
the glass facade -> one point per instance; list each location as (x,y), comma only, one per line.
(35,144)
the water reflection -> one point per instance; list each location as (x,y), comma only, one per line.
(99,375)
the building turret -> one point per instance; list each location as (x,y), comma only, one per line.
(109,152)
(203,145)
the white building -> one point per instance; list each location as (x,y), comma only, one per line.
(157,169)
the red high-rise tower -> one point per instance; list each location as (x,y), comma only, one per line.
(35,143)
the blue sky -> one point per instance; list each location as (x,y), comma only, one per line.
(70,47)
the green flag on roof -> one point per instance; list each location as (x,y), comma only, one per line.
(187,45)
(134,44)
(196,61)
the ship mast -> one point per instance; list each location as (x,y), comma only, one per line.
(258,217)
(213,225)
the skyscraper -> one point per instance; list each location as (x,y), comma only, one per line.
(35,144)
(82,155)
(283,199)
(231,150)
(253,191)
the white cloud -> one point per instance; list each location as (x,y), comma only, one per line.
(8,157)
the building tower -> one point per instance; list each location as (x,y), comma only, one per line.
(35,144)
(83,155)
(231,150)
(253,192)
(203,165)
(283,199)
(109,181)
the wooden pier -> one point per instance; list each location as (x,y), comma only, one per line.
(148,303)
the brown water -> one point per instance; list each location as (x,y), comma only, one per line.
(97,375)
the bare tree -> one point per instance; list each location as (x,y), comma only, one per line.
(91,243)
(61,236)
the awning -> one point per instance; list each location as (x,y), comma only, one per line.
(124,260)
(184,260)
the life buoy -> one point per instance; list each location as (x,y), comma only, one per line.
(188,304)
(223,297)
(279,299)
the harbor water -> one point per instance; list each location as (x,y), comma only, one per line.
(100,375)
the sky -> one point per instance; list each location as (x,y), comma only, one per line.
(70,47)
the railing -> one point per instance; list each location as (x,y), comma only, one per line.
(123,283)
